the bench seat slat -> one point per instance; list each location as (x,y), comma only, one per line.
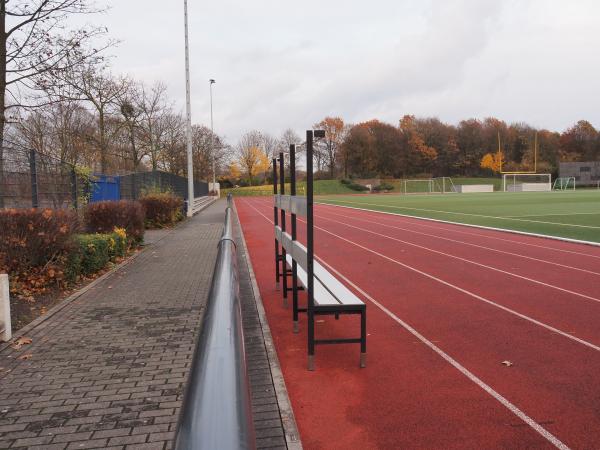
(335,293)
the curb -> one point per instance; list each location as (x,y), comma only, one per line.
(290,428)
(482,227)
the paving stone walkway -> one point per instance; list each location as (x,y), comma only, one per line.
(107,370)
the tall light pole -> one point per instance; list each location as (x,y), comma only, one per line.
(212,137)
(188,110)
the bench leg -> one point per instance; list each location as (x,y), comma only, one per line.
(277,259)
(363,338)
(337,316)
(284,273)
(311,339)
(295,295)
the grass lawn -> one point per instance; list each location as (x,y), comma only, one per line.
(570,214)
(322,187)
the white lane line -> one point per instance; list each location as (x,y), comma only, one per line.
(463,214)
(464,291)
(455,225)
(465,243)
(466,372)
(531,280)
(557,214)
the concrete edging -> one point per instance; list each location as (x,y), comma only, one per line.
(524,233)
(290,428)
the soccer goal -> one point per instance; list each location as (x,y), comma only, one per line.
(564,183)
(439,185)
(527,182)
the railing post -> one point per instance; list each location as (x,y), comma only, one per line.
(34,179)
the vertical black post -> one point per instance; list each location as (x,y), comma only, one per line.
(74,187)
(294,263)
(275,220)
(310,250)
(34,181)
(284,271)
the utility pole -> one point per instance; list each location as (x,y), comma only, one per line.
(188,108)
(212,138)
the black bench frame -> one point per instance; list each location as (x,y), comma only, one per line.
(283,272)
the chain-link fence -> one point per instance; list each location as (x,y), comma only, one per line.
(29,179)
(135,185)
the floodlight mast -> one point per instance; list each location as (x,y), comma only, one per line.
(212,137)
(188,111)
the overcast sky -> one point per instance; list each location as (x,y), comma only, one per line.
(281,63)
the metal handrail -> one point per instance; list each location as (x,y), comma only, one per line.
(216,412)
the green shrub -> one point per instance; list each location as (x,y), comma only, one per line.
(354,186)
(384,187)
(92,252)
(103,217)
(162,209)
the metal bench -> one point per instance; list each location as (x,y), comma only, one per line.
(326,295)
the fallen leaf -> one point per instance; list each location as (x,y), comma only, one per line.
(507,363)
(25,356)
(20,342)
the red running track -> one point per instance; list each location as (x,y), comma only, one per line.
(446,304)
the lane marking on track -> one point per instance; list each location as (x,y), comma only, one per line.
(466,243)
(454,363)
(464,214)
(459,289)
(485,266)
(427,220)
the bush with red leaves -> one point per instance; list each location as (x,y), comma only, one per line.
(103,217)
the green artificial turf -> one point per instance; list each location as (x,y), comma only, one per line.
(569,214)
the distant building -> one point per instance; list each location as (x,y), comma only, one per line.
(585,173)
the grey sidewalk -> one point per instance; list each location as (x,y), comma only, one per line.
(108,369)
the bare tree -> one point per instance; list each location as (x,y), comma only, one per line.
(104,93)
(154,110)
(128,101)
(35,46)
(289,137)
(250,156)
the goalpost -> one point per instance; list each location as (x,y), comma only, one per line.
(439,185)
(526,182)
(564,183)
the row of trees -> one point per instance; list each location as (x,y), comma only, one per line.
(427,146)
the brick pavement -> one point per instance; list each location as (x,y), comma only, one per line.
(108,369)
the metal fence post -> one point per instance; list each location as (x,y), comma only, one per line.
(74,187)
(34,181)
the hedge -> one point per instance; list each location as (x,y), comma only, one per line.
(103,217)
(162,209)
(92,252)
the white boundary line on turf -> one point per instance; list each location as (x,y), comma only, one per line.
(471,376)
(525,233)
(463,243)
(457,213)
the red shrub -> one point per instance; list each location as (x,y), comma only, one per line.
(162,209)
(34,238)
(103,217)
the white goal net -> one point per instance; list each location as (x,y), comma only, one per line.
(564,183)
(439,185)
(526,182)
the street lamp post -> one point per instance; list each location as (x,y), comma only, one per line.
(188,108)
(212,138)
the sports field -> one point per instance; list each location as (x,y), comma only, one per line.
(476,338)
(570,214)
